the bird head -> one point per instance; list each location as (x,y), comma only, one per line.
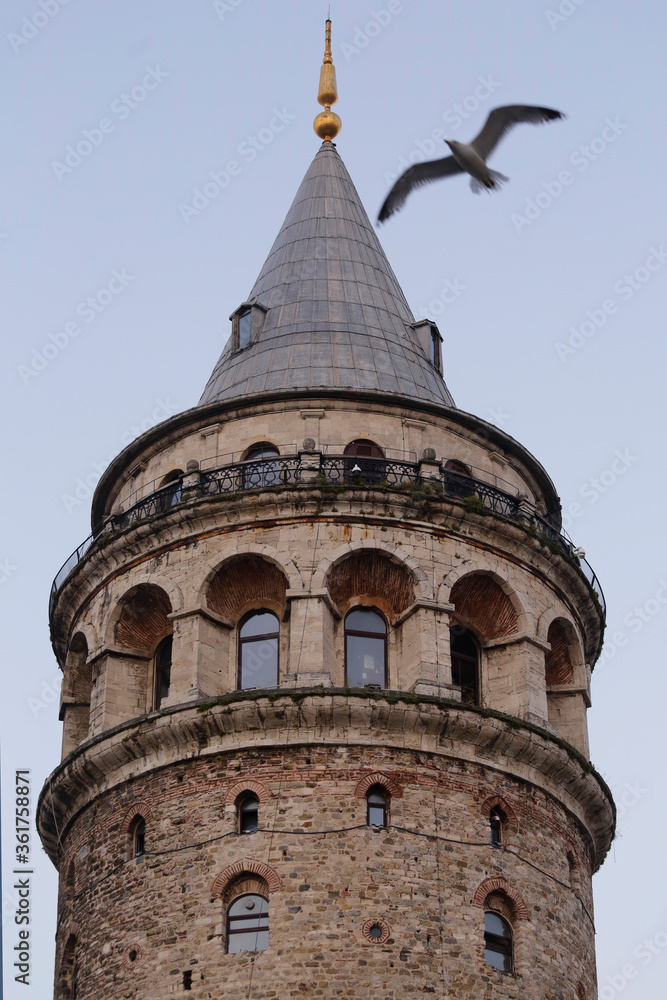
(452,143)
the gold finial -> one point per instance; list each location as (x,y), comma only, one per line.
(327,124)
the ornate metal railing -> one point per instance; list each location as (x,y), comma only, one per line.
(341,470)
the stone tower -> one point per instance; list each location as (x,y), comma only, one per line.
(326,664)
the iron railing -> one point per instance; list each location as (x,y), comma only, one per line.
(342,470)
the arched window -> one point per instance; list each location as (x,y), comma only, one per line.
(261,471)
(465,664)
(162,671)
(247,809)
(248,924)
(458,479)
(364,461)
(365,648)
(497,942)
(496,826)
(138,836)
(170,490)
(258,650)
(376,806)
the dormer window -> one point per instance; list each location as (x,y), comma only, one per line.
(430,341)
(244,322)
(247,324)
(435,349)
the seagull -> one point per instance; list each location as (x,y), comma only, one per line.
(468,158)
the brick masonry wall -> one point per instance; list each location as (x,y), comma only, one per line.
(327,884)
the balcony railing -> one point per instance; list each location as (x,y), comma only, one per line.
(346,471)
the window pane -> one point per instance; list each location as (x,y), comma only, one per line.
(259,663)
(365,661)
(494,924)
(497,959)
(263,623)
(365,620)
(244,328)
(248,924)
(376,816)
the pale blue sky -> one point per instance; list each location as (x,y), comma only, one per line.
(219,76)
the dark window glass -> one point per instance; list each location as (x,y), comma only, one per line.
(244,324)
(248,814)
(140,838)
(435,349)
(365,648)
(262,472)
(496,825)
(170,490)
(162,670)
(497,942)
(458,479)
(364,461)
(465,664)
(248,924)
(258,651)
(376,806)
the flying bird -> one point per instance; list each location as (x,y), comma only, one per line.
(468,158)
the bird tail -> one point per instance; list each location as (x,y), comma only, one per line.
(496,179)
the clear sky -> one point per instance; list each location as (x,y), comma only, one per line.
(554,331)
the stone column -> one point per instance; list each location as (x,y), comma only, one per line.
(200,661)
(513,677)
(312,658)
(425,658)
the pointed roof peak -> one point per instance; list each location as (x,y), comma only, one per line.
(331,313)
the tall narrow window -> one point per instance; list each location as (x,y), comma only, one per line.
(258,651)
(170,490)
(139,838)
(248,924)
(497,942)
(365,649)
(435,350)
(244,325)
(162,671)
(248,813)
(465,664)
(496,825)
(376,806)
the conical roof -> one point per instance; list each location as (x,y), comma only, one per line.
(336,316)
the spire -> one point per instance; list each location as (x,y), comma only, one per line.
(328,311)
(327,124)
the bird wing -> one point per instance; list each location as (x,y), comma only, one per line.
(415,176)
(501,120)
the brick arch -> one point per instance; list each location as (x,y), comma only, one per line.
(498,802)
(228,555)
(393,553)
(247,866)
(138,809)
(260,790)
(481,602)
(247,579)
(558,661)
(500,884)
(378,778)
(142,617)
(373,575)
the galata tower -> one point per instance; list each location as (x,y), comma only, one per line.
(327,661)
